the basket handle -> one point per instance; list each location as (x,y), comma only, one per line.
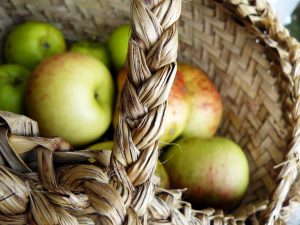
(151,68)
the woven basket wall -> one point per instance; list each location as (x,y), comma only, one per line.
(254,64)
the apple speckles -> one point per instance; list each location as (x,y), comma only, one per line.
(171,131)
(208,106)
(210,176)
(43,97)
(204,101)
(199,190)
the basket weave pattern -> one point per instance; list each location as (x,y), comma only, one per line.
(246,52)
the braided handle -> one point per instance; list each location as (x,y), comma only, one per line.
(151,68)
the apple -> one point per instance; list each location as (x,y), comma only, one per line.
(194,109)
(177,110)
(215,171)
(118,45)
(177,113)
(92,48)
(106,145)
(160,177)
(71,95)
(205,103)
(31,42)
(13,80)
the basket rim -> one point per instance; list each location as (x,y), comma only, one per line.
(261,20)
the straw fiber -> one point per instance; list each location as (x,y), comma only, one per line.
(246,52)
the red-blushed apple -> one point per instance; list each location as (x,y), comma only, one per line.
(177,112)
(205,103)
(160,177)
(31,42)
(92,48)
(71,95)
(177,109)
(13,80)
(215,171)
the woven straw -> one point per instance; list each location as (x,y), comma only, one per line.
(246,52)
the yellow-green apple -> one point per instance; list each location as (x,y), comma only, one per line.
(31,42)
(92,48)
(104,155)
(71,95)
(13,79)
(177,110)
(106,145)
(205,103)
(215,171)
(160,177)
(118,45)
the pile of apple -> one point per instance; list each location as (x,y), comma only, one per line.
(69,90)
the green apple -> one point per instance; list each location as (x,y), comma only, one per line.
(106,145)
(71,95)
(118,45)
(31,42)
(161,177)
(92,48)
(13,79)
(215,171)
(104,156)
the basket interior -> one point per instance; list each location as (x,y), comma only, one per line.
(240,65)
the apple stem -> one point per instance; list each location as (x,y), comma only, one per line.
(46,45)
(96,95)
(17,80)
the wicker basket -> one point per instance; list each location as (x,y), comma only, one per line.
(246,52)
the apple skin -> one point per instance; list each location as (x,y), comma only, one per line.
(118,45)
(92,48)
(31,42)
(206,107)
(13,80)
(195,106)
(161,173)
(71,96)
(106,145)
(215,171)
(177,110)
(161,179)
